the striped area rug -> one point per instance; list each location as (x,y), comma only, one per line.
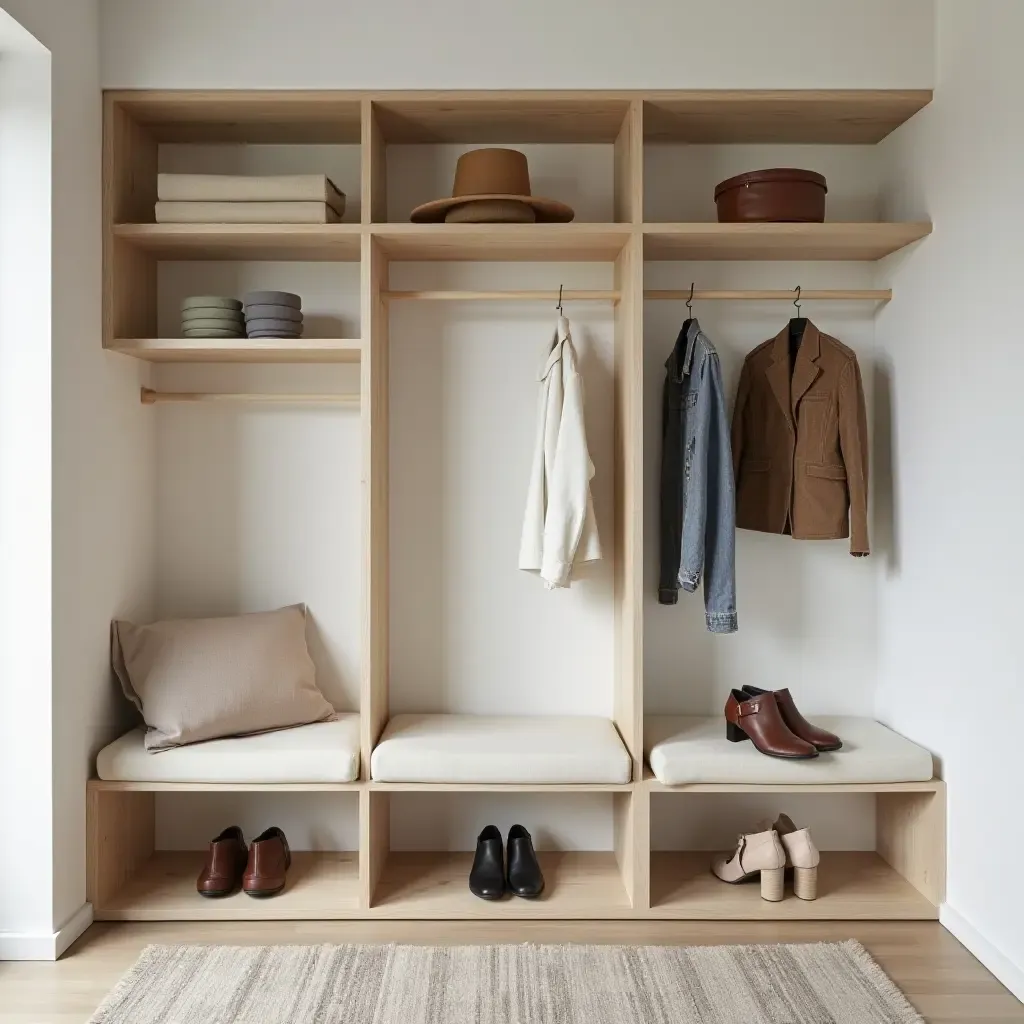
(823,983)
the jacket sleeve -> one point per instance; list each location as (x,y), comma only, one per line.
(742,394)
(720,524)
(569,508)
(853,442)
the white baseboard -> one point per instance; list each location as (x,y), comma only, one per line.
(45,945)
(1000,965)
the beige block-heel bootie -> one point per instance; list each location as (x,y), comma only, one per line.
(758,852)
(802,855)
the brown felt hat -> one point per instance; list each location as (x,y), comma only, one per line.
(492,185)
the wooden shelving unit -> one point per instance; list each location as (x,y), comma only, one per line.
(128,878)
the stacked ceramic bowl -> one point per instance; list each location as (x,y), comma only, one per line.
(212,316)
(273,315)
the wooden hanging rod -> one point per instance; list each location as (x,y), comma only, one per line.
(151,397)
(829,294)
(511,296)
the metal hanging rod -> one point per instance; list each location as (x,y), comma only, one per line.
(509,296)
(757,295)
(828,294)
(151,397)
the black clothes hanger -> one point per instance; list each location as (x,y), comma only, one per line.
(559,306)
(797,326)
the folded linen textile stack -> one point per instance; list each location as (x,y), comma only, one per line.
(212,316)
(273,315)
(241,199)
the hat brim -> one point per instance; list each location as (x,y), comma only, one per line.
(549,210)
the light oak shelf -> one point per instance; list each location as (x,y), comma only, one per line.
(828,116)
(434,885)
(320,886)
(828,241)
(310,242)
(574,242)
(851,886)
(241,350)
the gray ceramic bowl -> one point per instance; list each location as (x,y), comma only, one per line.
(273,299)
(266,324)
(208,301)
(225,317)
(212,325)
(212,332)
(269,312)
(275,334)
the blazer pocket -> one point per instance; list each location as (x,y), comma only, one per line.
(756,466)
(827,472)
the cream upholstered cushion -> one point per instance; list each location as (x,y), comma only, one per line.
(504,750)
(202,679)
(322,752)
(683,750)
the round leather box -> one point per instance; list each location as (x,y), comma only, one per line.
(780,194)
(210,302)
(273,299)
(267,312)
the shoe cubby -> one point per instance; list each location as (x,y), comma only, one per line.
(882,850)
(397,516)
(423,838)
(147,845)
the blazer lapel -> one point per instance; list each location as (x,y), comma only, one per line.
(778,374)
(805,369)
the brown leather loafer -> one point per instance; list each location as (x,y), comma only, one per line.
(821,739)
(225,862)
(269,861)
(759,720)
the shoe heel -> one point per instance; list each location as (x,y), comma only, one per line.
(773,884)
(734,734)
(805,883)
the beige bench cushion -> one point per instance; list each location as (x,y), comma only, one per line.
(471,748)
(322,752)
(683,750)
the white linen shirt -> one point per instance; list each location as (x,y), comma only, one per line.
(560,528)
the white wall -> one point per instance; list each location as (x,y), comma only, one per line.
(530,44)
(25,489)
(950,661)
(102,493)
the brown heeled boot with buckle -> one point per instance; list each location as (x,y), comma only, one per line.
(823,741)
(759,720)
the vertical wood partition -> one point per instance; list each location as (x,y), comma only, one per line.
(374,695)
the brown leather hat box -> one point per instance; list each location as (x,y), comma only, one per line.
(775,194)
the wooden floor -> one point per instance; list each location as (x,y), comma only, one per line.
(945,983)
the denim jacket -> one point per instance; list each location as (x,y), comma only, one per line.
(698,497)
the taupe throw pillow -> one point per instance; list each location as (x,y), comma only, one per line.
(201,679)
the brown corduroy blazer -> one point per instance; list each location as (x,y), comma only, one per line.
(800,442)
